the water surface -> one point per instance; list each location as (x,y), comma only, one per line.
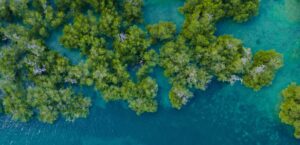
(223,115)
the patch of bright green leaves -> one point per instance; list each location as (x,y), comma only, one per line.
(35,81)
(263,69)
(290,107)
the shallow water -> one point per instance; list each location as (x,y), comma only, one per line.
(223,115)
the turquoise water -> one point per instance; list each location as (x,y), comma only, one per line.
(53,42)
(223,115)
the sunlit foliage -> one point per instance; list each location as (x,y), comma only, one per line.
(263,69)
(121,53)
(290,107)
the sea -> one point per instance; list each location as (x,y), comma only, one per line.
(224,114)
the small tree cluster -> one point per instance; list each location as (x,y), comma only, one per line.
(290,107)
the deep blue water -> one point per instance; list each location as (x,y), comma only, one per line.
(223,115)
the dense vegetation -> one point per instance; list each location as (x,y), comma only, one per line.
(290,107)
(36,81)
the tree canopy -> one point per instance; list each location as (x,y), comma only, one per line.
(121,54)
(290,107)
(263,69)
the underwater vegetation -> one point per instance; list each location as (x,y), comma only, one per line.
(36,81)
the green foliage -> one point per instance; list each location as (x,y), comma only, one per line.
(35,19)
(262,71)
(74,6)
(120,56)
(103,5)
(132,11)
(162,31)
(50,103)
(242,10)
(15,103)
(44,20)
(5,14)
(290,107)
(175,56)
(197,54)
(149,60)
(18,7)
(225,57)
(179,96)
(182,71)
(31,79)
(131,47)
(12,10)
(144,98)
(82,34)
(17,108)
(201,17)
(110,23)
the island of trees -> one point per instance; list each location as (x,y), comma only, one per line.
(36,81)
(290,107)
